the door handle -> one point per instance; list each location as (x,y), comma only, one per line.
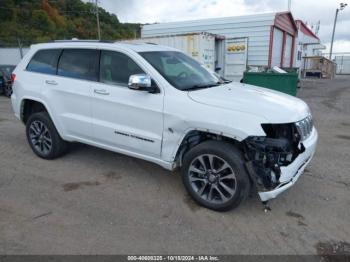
(51,82)
(101,92)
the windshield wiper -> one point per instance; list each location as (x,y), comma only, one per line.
(196,87)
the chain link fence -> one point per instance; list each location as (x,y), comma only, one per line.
(342,61)
(343,64)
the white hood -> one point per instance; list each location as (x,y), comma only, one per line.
(274,106)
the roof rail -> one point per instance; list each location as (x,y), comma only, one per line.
(82,41)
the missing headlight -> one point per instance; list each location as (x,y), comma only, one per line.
(266,154)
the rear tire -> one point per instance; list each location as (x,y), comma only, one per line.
(214,175)
(43,137)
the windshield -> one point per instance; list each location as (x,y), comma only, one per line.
(183,72)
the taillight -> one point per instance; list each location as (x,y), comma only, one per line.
(12,77)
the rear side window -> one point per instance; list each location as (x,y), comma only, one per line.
(116,68)
(45,61)
(79,63)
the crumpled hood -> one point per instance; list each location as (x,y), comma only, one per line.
(275,107)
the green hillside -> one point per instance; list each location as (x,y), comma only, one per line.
(33,21)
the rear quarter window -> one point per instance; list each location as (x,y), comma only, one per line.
(45,61)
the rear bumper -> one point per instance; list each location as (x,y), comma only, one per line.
(290,174)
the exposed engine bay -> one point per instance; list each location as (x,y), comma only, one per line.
(266,154)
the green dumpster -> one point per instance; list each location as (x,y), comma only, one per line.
(286,83)
(291,69)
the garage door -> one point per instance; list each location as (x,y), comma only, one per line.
(277,47)
(288,51)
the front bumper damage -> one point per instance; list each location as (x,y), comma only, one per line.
(291,173)
(274,177)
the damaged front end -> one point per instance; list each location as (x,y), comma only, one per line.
(267,155)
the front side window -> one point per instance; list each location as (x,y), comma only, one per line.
(79,63)
(116,68)
(45,61)
(181,71)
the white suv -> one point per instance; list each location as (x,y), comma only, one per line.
(155,103)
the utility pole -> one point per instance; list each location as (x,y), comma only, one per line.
(20,47)
(317,27)
(98,21)
(342,6)
(289,5)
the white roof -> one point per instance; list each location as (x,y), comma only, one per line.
(214,21)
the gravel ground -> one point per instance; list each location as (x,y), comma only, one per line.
(92,201)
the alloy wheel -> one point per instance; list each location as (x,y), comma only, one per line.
(40,137)
(212,178)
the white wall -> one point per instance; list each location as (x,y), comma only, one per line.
(11,56)
(255,27)
(305,45)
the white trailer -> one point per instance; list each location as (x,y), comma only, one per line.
(228,58)
(265,40)
(206,48)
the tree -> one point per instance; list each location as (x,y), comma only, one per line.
(7,10)
(41,21)
(35,21)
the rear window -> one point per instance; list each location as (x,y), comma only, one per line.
(79,63)
(45,61)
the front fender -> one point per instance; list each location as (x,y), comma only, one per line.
(235,125)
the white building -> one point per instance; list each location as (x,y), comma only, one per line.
(307,44)
(252,40)
(11,56)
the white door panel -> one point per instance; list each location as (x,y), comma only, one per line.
(70,90)
(128,119)
(71,101)
(125,118)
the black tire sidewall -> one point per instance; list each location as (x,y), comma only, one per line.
(233,157)
(57,142)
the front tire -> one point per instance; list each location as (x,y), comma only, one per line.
(214,175)
(43,137)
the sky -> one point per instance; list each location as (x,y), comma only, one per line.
(310,11)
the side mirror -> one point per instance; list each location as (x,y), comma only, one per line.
(141,82)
